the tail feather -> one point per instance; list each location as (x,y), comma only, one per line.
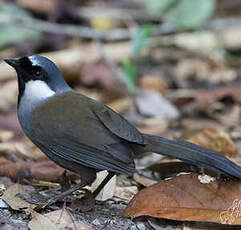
(192,154)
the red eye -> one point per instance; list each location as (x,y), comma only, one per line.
(38,73)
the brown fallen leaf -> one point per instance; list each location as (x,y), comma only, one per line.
(216,140)
(185,198)
(10,196)
(42,171)
(206,98)
(56,220)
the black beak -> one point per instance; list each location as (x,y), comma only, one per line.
(12,62)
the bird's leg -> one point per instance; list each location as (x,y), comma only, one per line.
(76,187)
(87,202)
(62,195)
(103,183)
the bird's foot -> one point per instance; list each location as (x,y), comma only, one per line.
(84,204)
(61,196)
(46,204)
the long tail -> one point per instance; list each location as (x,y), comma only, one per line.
(192,154)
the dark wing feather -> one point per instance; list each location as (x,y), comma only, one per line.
(119,125)
(93,157)
(86,157)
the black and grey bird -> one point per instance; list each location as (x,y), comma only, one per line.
(85,136)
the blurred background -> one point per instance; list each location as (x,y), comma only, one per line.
(172,68)
(167,66)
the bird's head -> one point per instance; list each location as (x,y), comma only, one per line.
(37,75)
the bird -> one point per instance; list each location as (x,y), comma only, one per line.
(85,136)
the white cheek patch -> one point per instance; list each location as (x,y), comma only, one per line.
(36,91)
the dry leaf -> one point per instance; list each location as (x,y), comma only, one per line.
(185,198)
(216,140)
(56,220)
(10,196)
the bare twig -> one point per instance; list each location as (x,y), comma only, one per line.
(77,31)
(115,34)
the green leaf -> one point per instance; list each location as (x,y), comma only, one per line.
(141,39)
(130,71)
(185,14)
(190,13)
(158,6)
(11,33)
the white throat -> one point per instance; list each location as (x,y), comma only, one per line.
(34,93)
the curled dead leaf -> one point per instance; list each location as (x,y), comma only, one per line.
(185,198)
